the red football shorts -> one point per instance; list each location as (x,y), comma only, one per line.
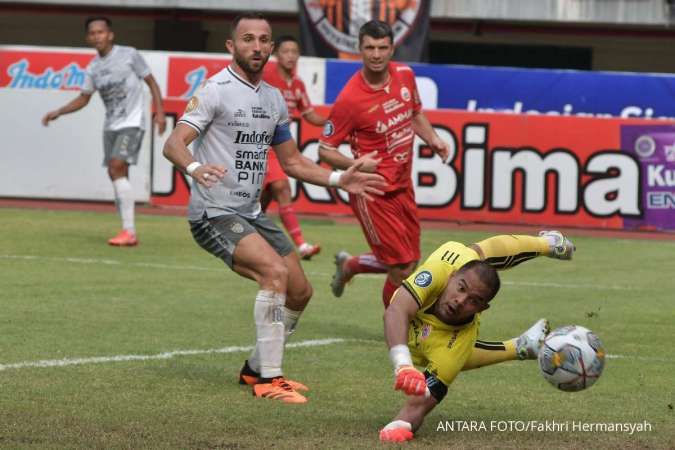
(390,225)
(274,170)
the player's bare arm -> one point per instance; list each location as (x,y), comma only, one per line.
(337,160)
(416,409)
(353,180)
(423,129)
(176,151)
(314,118)
(76,104)
(159,118)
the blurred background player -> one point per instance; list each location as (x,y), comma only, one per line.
(115,73)
(276,186)
(224,211)
(379,110)
(433,320)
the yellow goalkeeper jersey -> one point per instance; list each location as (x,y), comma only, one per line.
(441,348)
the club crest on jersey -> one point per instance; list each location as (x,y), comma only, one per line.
(426,331)
(328,128)
(192,105)
(237,228)
(405,94)
(423,279)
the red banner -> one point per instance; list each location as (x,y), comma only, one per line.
(43,70)
(507,168)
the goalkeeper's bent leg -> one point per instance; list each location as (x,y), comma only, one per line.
(506,251)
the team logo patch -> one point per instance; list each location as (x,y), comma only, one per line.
(405,94)
(426,331)
(192,105)
(669,151)
(645,146)
(237,228)
(423,279)
(328,128)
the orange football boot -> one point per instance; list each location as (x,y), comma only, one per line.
(250,377)
(125,238)
(278,389)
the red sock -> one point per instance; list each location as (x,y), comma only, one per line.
(291,224)
(366,263)
(388,292)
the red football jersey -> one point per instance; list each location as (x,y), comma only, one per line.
(378,120)
(292,90)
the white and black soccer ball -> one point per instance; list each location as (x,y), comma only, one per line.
(572,358)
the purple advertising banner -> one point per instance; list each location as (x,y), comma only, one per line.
(654,147)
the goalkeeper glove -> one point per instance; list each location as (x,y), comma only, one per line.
(396,431)
(410,380)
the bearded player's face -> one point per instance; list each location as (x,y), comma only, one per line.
(251,44)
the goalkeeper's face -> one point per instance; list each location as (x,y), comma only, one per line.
(463,297)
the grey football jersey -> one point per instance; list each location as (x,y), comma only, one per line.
(117,77)
(237,122)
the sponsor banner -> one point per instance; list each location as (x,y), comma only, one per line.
(186,73)
(331,29)
(21,69)
(654,147)
(551,171)
(533,91)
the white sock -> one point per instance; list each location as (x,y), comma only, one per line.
(268,354)
(124,197)
(290,319)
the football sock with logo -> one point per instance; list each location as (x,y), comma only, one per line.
(486,353)
(290,319)
(124,198)
(268,353)
(365,263)
(388,291)
(290,221)
(506,251)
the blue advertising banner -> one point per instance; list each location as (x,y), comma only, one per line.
(533,91)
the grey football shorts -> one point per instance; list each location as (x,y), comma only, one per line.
(123,144)
(220,235)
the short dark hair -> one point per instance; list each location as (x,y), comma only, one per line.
(376,29)
(91,19)
(249,15)
(486,274)
(285,38)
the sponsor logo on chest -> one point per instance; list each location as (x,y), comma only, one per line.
(381,127)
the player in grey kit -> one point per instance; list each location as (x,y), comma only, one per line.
(237,116)
(116,72)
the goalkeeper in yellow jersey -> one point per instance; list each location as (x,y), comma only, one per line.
(433,320)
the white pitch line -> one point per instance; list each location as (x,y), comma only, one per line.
(109,262)
(164,355)
(113,262)
(46,363)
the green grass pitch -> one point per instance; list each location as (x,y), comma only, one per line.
(65,294)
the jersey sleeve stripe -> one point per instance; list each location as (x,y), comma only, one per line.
(187,122)
(412,292)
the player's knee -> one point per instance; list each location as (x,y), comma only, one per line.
(117,169)
(274,275)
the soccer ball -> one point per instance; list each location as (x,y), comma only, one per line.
(571,358)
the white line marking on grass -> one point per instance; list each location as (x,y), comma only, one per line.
(110,262)
(113,262)
(165,355)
